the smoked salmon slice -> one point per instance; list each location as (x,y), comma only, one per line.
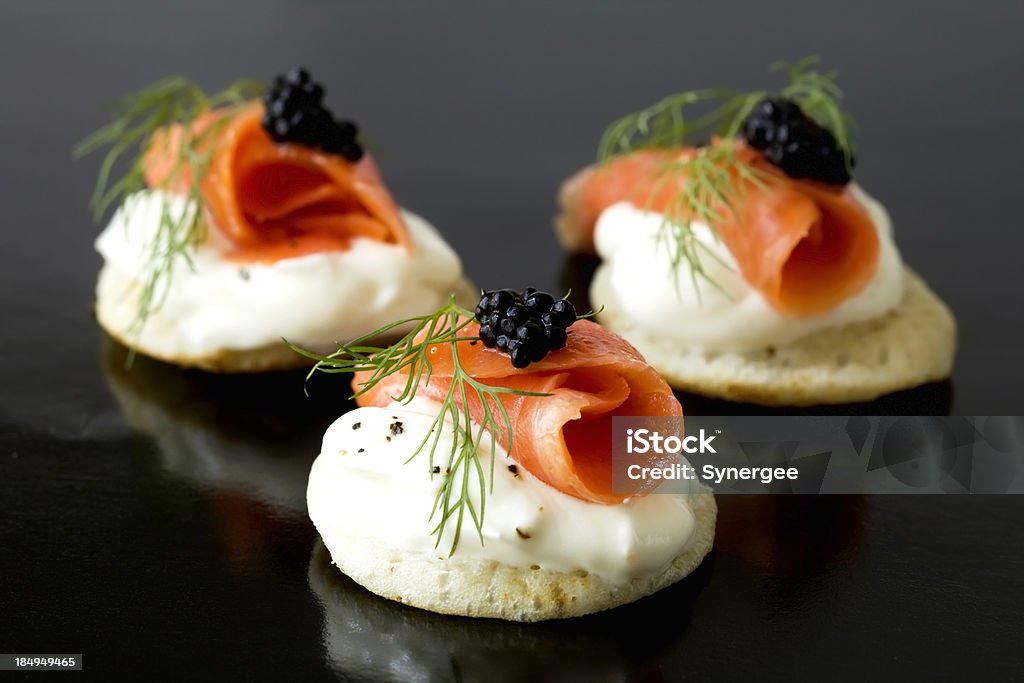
(564,439)
(804,246)
(278,200)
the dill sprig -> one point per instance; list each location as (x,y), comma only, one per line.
(712,179)
(821,99)
(411,355)
(136,120)
(707,189)
(666,124)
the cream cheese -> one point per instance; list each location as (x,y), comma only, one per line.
(731,316)
(362,485)
(313,301)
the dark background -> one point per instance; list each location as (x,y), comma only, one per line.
(156,518)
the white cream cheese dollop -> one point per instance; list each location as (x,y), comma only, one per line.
(314,301)
(732,316)
(361,485)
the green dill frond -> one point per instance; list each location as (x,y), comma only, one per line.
(411,355)
(711,181)
(821,99)
(128,138)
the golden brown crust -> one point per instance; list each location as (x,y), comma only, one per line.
(116,310)
(910,346)
(485,588)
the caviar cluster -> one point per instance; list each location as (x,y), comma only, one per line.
(795,143)
(295,112)
(526,325)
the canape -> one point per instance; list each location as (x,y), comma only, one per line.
(243,221)
(752,267)
(476,477)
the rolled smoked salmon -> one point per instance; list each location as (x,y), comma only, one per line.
(279,200)
(805,246)
(564,439)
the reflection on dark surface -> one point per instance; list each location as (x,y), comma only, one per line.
(367,637)
(252,435)
(245,441)
(934,398)
(790,536)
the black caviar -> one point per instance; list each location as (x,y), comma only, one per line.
(526,325)
(295,113)
(795,143)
